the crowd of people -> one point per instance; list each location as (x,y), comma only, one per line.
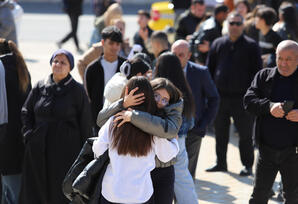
(149,104)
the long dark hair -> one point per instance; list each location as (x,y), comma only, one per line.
(168,66)
(128,139)
(23,74)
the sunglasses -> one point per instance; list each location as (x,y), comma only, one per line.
(163,101)
(237,23)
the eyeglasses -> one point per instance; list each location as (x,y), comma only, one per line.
(237,23)
(158,98)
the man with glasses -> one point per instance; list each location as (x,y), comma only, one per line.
(233,60)
(206,100)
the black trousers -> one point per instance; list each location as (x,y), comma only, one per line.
(193,145)
(233,107)
(74,20)
(269,162)
(163,185)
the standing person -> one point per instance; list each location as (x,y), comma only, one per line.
(144,32)
(164,124)
(287,26)
(73,8)
(114,11)
(208,31)
(233,61)
(100,71)
(56,122)
(7,24)
(134,150)
(169,67)
(190,19)
(206,100)
(16,80)
(268,39)
(273,98)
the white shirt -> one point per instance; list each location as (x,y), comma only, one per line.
(109,69)
(127,179)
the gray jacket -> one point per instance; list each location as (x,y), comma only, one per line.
(167,127)
(7,24)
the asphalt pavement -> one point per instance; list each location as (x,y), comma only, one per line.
(43,24)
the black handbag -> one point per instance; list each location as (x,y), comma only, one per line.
(88,174)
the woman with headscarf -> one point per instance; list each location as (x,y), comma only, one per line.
(14,88)
(56,122)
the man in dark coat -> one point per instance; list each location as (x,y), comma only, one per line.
(209,30)
(206,100)
(100,71)
(273,99)
(188,21)
(233,60)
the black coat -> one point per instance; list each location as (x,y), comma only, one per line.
(56,122)
(11,144)
(83,181)
(257,98)
(95,83)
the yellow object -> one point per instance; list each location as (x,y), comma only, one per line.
(162,15)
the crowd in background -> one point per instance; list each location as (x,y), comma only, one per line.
(152,102)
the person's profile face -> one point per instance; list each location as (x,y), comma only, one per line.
(286,61)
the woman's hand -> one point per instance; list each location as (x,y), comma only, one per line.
(132,100)
(124,115)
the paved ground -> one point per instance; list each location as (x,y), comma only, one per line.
(39,32)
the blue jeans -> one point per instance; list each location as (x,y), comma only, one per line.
(11,185)
(184,187)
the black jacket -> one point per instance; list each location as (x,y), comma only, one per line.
(209,31)
(257,98)
(11,144)
(233,65)
(56,122)
(95,83)
(82,183)
(186,25)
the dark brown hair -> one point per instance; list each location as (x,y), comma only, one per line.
(163,83)
(23,74)
(128,139)
(168,66)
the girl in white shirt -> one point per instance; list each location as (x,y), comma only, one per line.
(132,154)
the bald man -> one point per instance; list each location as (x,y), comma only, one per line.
(273,99)
(206,100)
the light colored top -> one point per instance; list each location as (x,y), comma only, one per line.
(114,88)
(109,69)
(127,178)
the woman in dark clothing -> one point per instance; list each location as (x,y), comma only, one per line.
(17,84)
(73,8)
(56,122)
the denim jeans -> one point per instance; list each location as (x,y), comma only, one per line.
(184,187)
(11,185)
(271,161)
